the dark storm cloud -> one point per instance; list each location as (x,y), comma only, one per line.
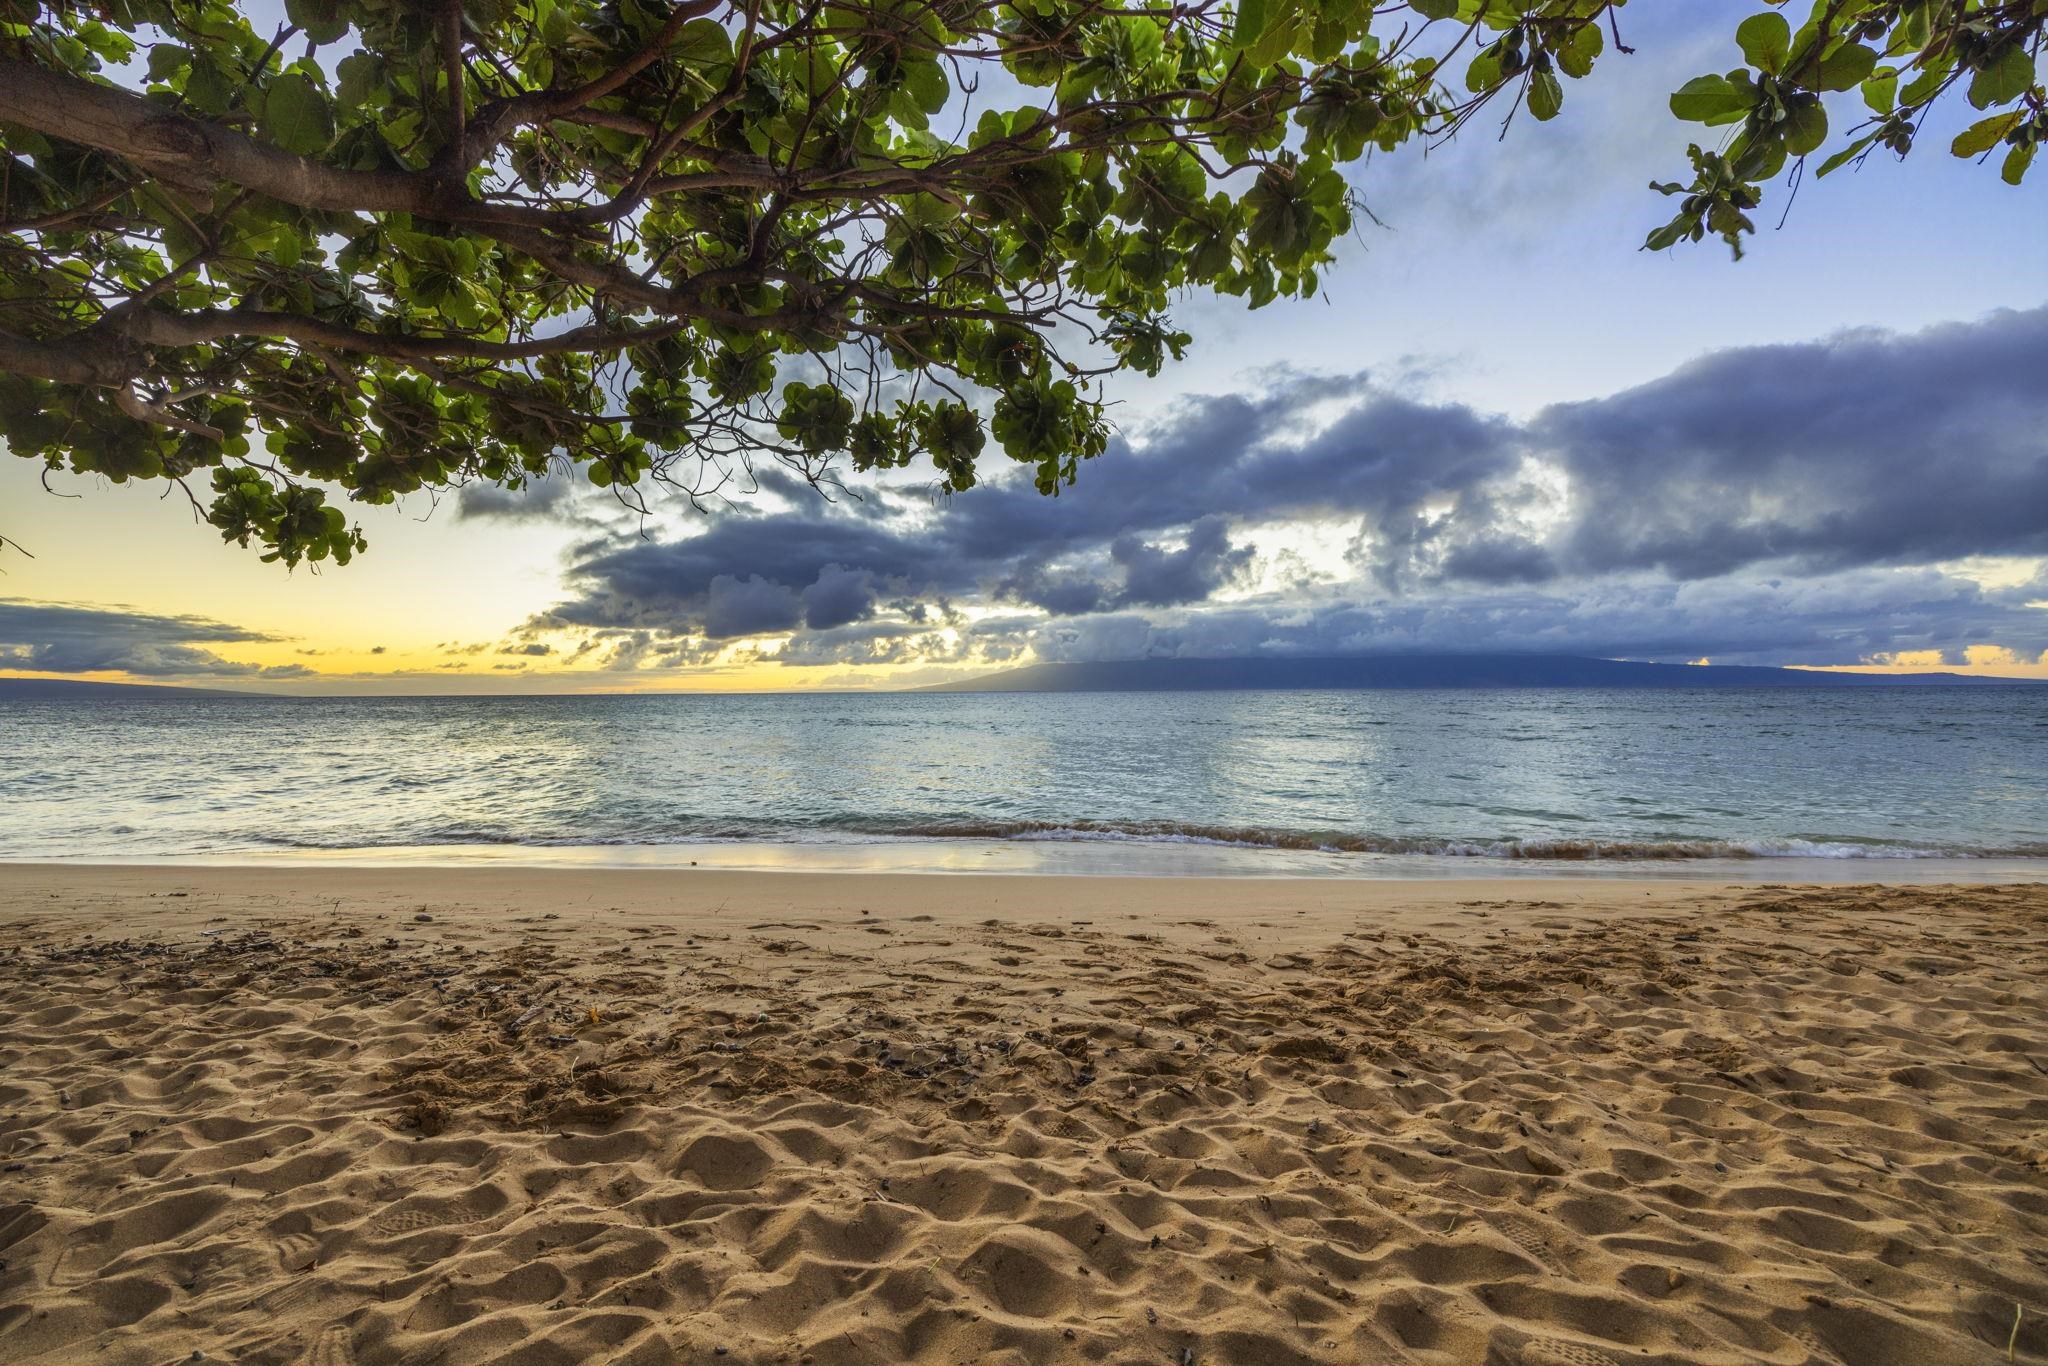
(1138,572)
(63,638)
(838,596)
(1214,464)
(1062,592)
(1165,577)
(668,585)
(1867,448)
(542,500)
(1627,524)
(748,607)
(1831,619)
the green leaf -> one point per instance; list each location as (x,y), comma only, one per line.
(1670,235)
(1277,41)
(357,78)
(1484,72)
(1760,158)
(1845,156)
(167,60)
(1985,134)
(1881,91)
(1923,86)
(2005,79)
(1545,96)
(1435,9)
(703,46)
(1576,57)
(319,20)
(1806,128)
(1710,100)
(296,116)
(1845,68)
(927,84)
(1251,22)
(2017,161)
(1766,40)
(206,89)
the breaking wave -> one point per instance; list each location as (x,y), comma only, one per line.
(1332,842)
(856,831)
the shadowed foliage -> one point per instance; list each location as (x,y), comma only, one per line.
(393,246)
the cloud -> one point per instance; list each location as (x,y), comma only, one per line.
(1160,576)
(669,586)
(751,606)
(1865,448)
(1775,502)
(1218,461)
(542,500)
(72,638)
(1843,618)
(838,597)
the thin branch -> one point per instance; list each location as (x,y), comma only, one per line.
(159,413)
(451,69)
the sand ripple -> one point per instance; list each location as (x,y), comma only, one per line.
(1791,1126)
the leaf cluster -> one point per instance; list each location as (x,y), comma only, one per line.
(394,245)
(1900,56)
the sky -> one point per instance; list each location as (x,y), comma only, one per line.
(1501,427)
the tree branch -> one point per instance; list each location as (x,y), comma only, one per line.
(198,154)
(502,118)
(199,329)
(139,408)
(192,152)
(101,367)
(451,68)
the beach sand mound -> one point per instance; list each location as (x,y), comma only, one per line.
(1787,1125)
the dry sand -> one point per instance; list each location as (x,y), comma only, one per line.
(525,1116)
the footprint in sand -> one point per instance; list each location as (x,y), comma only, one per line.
(1525,1235)
(334,1347)
(286,1298)
(1553,1352)
(414,1220)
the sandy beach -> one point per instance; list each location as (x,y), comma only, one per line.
(296,1114)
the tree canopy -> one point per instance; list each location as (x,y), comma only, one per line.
(392,245)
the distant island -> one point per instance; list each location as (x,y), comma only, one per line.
(1426,671)
(83,690)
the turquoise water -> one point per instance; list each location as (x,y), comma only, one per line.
(1310,781)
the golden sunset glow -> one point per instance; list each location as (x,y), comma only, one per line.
(447,605)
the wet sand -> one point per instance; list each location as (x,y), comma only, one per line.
(517,1115)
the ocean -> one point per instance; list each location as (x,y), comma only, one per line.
(1318,783)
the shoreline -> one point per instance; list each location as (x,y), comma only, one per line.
(1065,859)
(351,1116)
(186,899)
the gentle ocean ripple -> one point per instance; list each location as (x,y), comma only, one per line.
(1530,775)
